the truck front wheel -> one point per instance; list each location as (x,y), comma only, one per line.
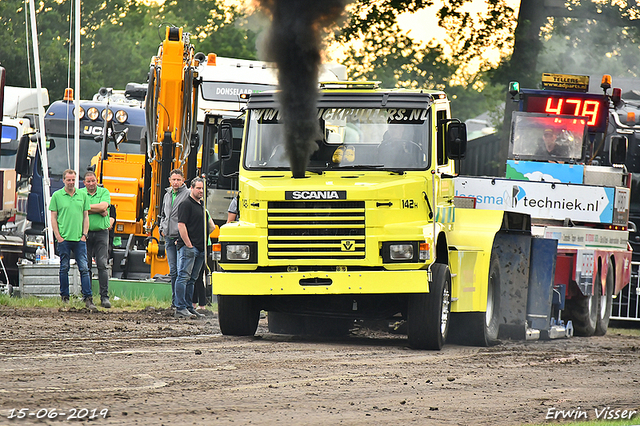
(429,314)
(481,328)
(237,315)
(492,315)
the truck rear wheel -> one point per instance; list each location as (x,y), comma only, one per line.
(237,315)
(606,301)
(429,314)
(583,311)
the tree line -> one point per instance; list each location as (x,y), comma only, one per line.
(119,37)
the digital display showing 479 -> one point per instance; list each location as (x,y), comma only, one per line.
(594,107)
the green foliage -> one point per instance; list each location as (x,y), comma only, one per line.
(380,51)
(578,46)
(492,29)
(78,303)
(476,96)
(118,39)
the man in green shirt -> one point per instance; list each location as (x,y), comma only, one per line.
(98,236)
(70,222)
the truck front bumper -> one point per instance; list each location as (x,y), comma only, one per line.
(306,283)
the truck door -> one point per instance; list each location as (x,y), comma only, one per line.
(443,171)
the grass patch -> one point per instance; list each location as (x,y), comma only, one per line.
(625,328)
(134,304)
(625,332)
(632,422)
(125,304)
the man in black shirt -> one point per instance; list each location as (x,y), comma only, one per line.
(190,245)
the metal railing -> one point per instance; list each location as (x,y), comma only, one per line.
(625,305)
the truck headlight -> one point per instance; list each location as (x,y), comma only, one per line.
(239,252)
(401,251)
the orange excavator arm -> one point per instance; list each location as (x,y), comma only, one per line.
(170,108)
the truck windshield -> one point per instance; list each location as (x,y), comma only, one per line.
(59,123)
(352,138)
(61,156)
(9,147)
(549,138)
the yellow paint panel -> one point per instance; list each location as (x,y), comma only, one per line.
(288,283)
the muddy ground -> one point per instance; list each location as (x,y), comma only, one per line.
(148,368)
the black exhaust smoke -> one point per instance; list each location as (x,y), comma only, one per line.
(294,43)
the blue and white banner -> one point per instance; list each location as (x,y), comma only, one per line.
(545,172)
(547,200)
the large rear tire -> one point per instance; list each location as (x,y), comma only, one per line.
(606,301)
(583,311)
(429,314)
(237,315)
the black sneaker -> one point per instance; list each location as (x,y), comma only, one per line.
(183,313)
(88,302)
(205,312)
(65,299)
(104,301)
(196,313)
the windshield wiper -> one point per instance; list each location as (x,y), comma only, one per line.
(371,167)
(360,166)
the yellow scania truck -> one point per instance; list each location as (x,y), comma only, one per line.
(373,230)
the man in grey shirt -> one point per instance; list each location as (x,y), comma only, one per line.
(177,193)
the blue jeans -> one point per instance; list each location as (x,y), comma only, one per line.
(190,261)
(172,257)
(79,249)
(98,247)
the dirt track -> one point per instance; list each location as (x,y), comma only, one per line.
(148,368)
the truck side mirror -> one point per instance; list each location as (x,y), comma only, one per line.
(22,157)
(456,141)
(225,138)
(618,149)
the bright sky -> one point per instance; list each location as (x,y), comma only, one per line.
(423,25)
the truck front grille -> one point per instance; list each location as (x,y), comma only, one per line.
(316,230)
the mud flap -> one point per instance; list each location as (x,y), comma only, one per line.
(542,271)
(513,251)
(527,270)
